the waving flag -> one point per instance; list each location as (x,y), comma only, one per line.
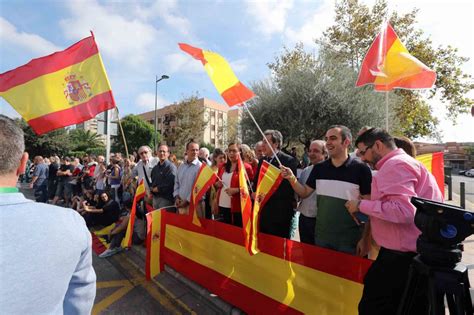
(389,65)
(139,195)
(221,74)
(434,163)
(269,179)
(64,88)
(152,264)
(245,204)
(204,179)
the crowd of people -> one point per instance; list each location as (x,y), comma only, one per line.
(353,202)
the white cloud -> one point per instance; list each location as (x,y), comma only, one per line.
(146,101)
(31,42)
(313,28)
(183,63)
(239,65)
(270,16)
(168,12)
(128,40)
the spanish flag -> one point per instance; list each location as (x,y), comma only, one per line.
(389,65)
(245,204)
(139,195)
(204,180)
(221,74)
(434,163)
(64,88)
(269,179)
(152,264)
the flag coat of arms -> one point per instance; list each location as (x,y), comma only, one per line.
(389,65)
(62,89)
(227,84)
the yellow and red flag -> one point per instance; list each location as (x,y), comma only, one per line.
(64,88)
(389,65)
(434,163)
(204,180)
(152,265)
(221,74)
(269,179)
(245,204)
(139,195)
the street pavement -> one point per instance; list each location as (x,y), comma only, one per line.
(469,188)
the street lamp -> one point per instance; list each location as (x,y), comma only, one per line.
(163,77)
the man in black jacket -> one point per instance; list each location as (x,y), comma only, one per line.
(277,213)
(162,180)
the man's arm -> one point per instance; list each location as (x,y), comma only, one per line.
(302,190)
(80,294)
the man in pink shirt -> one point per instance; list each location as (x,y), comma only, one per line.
(399,178)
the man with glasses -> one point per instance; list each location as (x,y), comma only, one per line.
(162,180)
(336,180)
(391,213)
(143,168)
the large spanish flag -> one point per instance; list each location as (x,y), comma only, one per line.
(204,180)
(64,88)
(139,195)
(221,74)
(389,65)
(434,162)
(245,204)
(269,179)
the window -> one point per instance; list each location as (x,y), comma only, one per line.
(159,120)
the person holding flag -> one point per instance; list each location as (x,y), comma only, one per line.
(185,178)
(228,196)
(278,211)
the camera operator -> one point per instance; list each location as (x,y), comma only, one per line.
(399,178)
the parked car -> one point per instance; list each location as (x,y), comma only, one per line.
(462,172)
(470,173)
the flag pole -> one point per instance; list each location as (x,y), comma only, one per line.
(263,135)
(107,136)
(121,131)
(386,111)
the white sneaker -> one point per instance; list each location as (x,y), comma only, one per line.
(110,251)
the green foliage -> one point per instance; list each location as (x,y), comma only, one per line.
(356,25)
(190,123)
(307,97)
(54,142)
(137,133)
(85,141)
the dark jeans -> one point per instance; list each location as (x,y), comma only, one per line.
(234,218)
(385,283)
(41,193)
(306,227)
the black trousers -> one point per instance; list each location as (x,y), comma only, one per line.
(306,227)
(385,283)
(276,217)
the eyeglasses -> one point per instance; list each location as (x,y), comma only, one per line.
(162,151)
(143,152)
(362,152)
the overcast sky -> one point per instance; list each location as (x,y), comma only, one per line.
(138,40)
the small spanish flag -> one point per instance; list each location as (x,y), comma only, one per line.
(434,163)
(269,179)
(245,204)
(204,180)
(139,195)
(389,65)
(62,89)
(152,265)
(227,84)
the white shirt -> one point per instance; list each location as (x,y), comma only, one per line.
(224,198)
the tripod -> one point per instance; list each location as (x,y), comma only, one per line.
(439,273)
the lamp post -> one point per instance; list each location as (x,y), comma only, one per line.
(163,77)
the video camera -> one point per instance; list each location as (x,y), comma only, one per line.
(443,227)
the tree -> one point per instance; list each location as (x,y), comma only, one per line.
(190,122)
(85,141)
(356,25)
(137,133)
(307,97)
(54,142)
